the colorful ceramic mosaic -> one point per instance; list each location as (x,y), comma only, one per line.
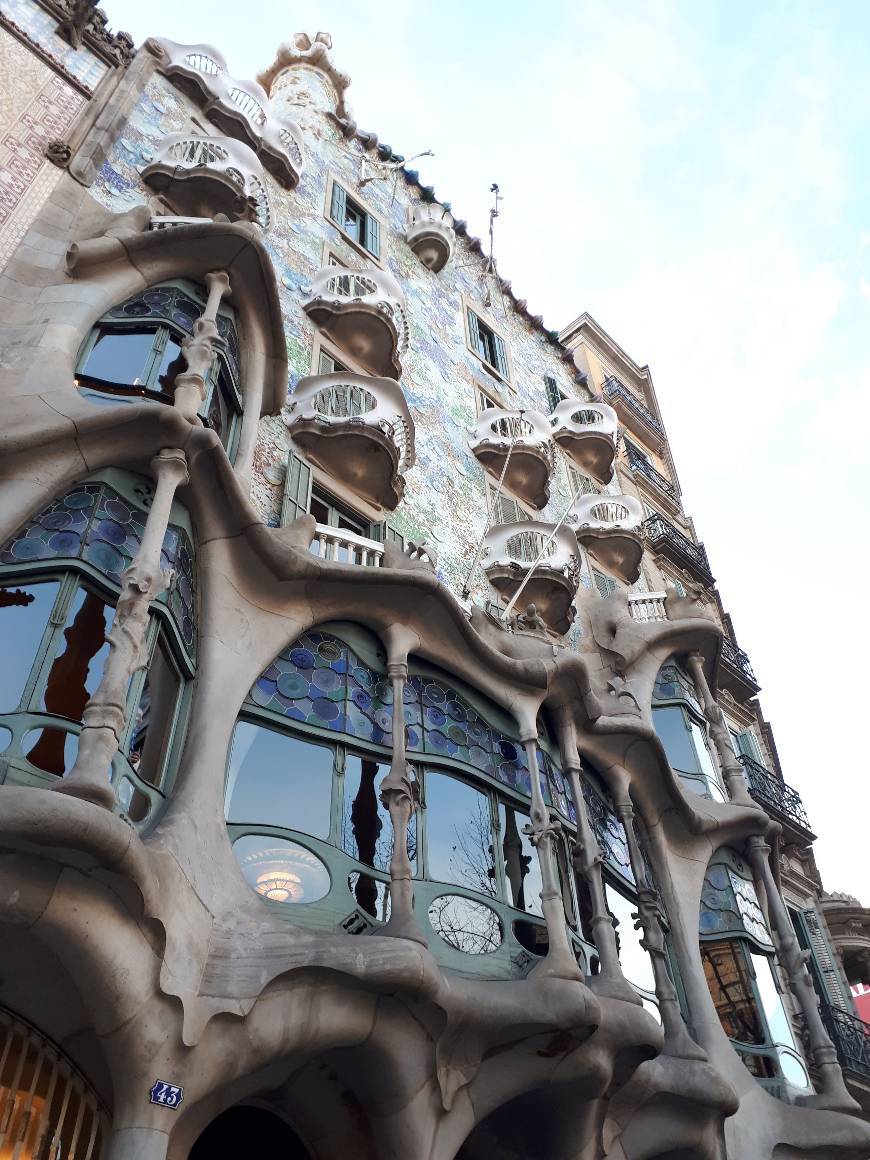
(672,684)
(609,831)
(320,680)
(93,522)
(729,905)
(41,29)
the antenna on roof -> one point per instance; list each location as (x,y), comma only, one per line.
(377,170)
(490,269)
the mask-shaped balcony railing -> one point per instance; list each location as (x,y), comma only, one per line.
(203,176)
(640,463)
(357,428)
(430,234)
(633,407)
(364,313)
(851,1037)
(240,108)
(608,527)
(586,432)
(519,444)
(543,556)
(663,537)
(776,797)
(735,671)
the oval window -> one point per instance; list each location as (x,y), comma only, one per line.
(466,925)
(281,871)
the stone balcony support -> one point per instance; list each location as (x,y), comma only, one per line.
(515,447)
(608,527)
(586,432)
(430,234)
(364,313)
(534,563)
(359,429)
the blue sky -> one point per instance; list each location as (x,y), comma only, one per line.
(697,177)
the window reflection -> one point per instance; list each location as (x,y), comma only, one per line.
(155,717)
(121,356)
(172,363)
(636,963)
(279,780)
(671,728)
(466,925)
(372,895)
(728,978)
(522,872)
(458,834)
(366,831)
(24,612)
(280,870)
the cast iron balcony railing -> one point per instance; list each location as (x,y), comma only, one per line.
(851,1037)
(774,794)
(736,671)
(609,528)
(205,176)
(518,444)
(614,389)
(359,429)
(663,537)
(640,463)
(586,432)
(547,555)
(363,311)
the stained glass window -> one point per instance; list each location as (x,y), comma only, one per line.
(93,522)
(672,684)
(609,831)
(729,905)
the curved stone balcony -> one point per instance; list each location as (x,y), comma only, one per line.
(364,313)
(525,437)
(608,527)
(430,234)
(357,428)
(240,108)
(510,552)
(586,432)
(201,177)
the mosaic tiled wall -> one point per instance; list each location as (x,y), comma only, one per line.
(40,28)
(445,496)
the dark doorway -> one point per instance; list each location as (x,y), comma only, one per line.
(247,1131)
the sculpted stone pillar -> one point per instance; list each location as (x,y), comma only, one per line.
(731,768)
(678,1042)
(794,960)
(105,715)
(587,859)
(198,349)
(398,795)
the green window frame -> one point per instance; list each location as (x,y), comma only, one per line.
(488,344)
(691,753)
(354,221)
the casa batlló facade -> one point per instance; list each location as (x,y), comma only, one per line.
(312,535)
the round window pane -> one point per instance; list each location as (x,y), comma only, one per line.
(466,925)
(281,871)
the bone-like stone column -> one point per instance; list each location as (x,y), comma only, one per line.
(731,768)
(834,1094)
(543,831)
(198,349)
(587,858)
(650,918)
(399,798)
(105,714)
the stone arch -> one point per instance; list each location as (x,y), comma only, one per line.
(248,1129)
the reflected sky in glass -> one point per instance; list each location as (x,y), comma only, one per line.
(458,834)
(24,611)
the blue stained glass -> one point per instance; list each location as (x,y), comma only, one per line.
(609,831)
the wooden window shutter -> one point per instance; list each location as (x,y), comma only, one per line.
(554,397)
(385,533)
(297,489)
(338,208)
(505,510)
(827,975)
(500,354)
(604,584)
(373,235)
(474,333)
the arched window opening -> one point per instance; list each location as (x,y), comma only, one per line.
(308,755)
(135,352)
(679,721)
(738,958)
(60,575)
(244,1130)
(49,1108)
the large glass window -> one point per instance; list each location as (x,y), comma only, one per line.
(521,868)
(459,846)
(24,613)
(683,732)
(367,832)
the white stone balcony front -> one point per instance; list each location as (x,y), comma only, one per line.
(430,234)
(586,432)
(201,177)
(521,440)
(609,528)
(646,607)
(364,313)
(357,428)
(543,556)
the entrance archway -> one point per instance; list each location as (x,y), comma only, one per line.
(248,1131)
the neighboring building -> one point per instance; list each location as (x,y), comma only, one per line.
(450,552)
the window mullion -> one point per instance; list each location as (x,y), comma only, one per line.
(152,366)
(50,645)
(336,815)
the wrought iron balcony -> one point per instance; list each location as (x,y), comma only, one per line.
(851,1037)
(608,527)
(663,537)
(357,428)
(640,463)
(364,313)
(518,443)
(774,794)
(240,108)
(735,671)
(547,555)
(430,234)
(617,391)
(204,176)
(586,432)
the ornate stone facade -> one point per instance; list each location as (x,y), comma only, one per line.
(361,793)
